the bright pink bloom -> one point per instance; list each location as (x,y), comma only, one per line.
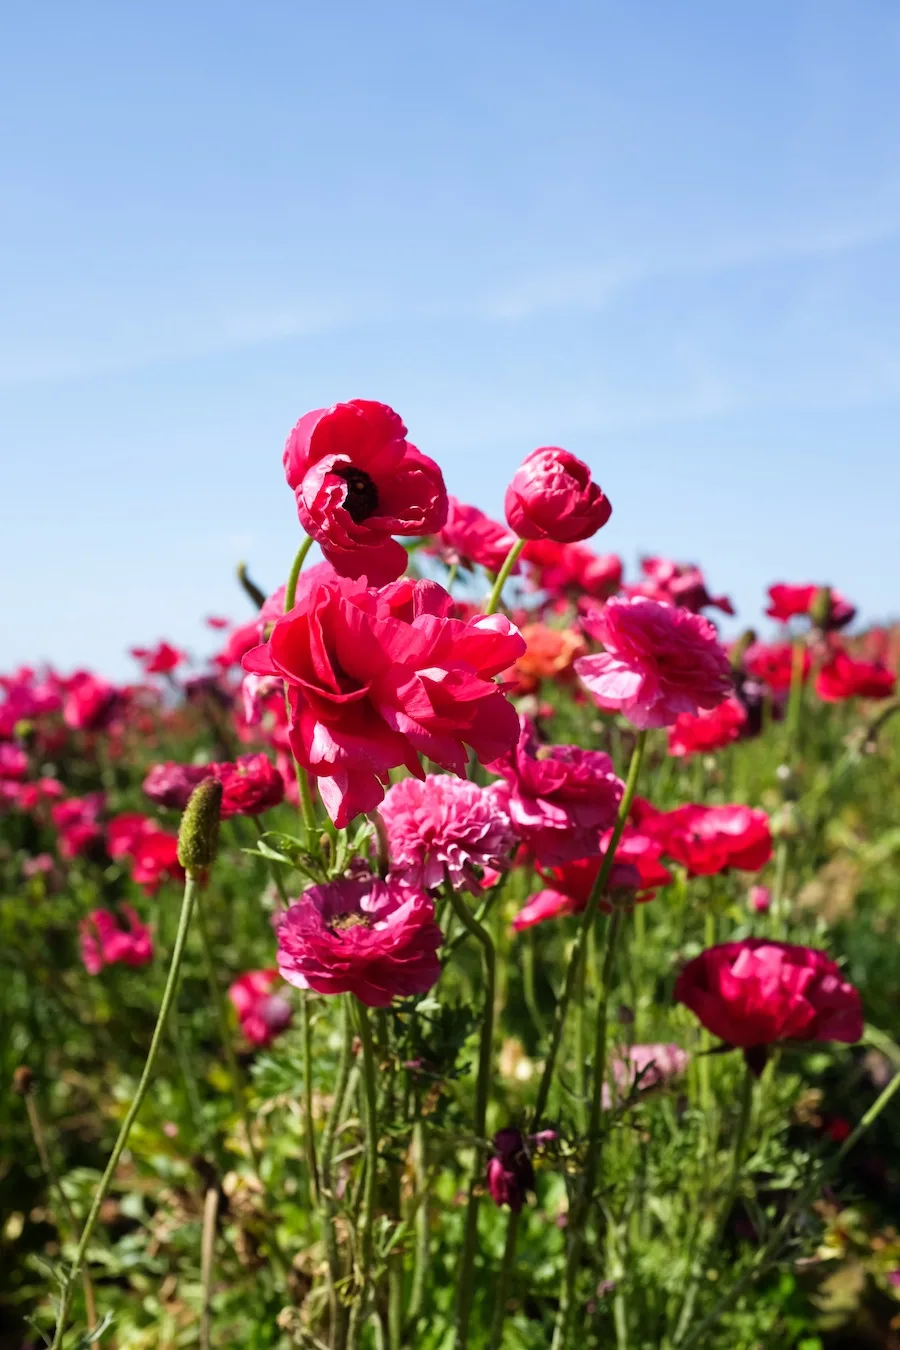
(564,569)
(470,538)
(561,798)
(90,703)
(678,584)
(80,840)
(375,939)
(843,677)
(711,839)
(249,786)
(756,992)
(377,677)
(759,899)
(707,731)
(78,810)
(787,602)
(126,833)
(159,660)
(262,1014)
(240,641)
(155,860)
(660,660)
(772,664)
(552,496)
(357,481)
(446,827)
(105,943)
(13,761)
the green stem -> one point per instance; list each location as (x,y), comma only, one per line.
(509,563)
(367,1221)
(184,923)
(309,1137)
(307,808)
(795,699)
(290,589)
(423,1228)
(482,1093)
(506,1269)
(338,1310)
(382,844)
(587,920)
(451,576)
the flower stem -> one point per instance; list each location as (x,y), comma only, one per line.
(587,919)
(338,1310)
(382,844)
(367,1220)
(78,1260)
(506,1268)
(509,563)
(290,589)
(207,1259)
(423,1227)
(795,699)
(482,1093)
(309,1137)
(307,808)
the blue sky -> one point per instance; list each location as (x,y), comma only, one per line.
(665,236)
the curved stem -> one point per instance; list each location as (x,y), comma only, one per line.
(451,576)
(423,1227)
(382,843)
(184,923)
(509,563)
(482,1093)
(290,589)
(506,1268)
(587,919)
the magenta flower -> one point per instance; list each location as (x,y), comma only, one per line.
(470,538)
(375,939)
(659,661)
(446,827)
(262,1014)
(510,1172)
(552,496)
(560,798)
(104,942)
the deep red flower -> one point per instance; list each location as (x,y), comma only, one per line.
(677,584)
(263,1015)
(510,1172)
(707,731)
(376,939)
(561,798)
(566,570)
(104,942)
(843,677)
(126,833)
(552,496)
(772,664)
(159,660)
(710,839)
(756,992)
(659,661)
(357,481)
(471,539)
(637,869)
(250,786)
(787,602)
(377,677)
(155,860)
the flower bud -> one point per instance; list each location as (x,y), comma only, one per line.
(820,609)
(510,1174)
(198,834)
(552,496)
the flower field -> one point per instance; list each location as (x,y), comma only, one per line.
(478,951)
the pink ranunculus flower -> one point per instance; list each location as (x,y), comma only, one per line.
(446,828)
(155,860)
(90,703)
(659,661)
(262,1014)
(570,569)
(378,677)
(13,761)
(376,939)
(757,992)
(126,833)
(105,942)
(171,784)
(470,538)
(561,799)
(250,786)
(787,602)
(552,496)
(159,660)
(358,481)
(707,731)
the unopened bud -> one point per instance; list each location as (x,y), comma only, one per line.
(198,833)
(739,648)
(820,609)
(22,1081)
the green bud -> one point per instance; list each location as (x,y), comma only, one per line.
(739,649)
(820,609)
(198,833)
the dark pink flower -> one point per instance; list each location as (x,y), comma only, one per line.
(375,939)
(83,839)
(446,828)
(659,661)
(249,786)
(125,833)
(705,732)
(104,942)
(561,798)
(357,481)
(637,870)
(711,839)
(159,660)
(263,1015)
(377,677)
(843,677)
(552,496)
(756,992)
(78,810)
(772,664)
(90,703)
(510,1172)
(171,784)
(678,584)
(470,538)
(787,602)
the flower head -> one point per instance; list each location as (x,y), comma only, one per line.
(126,833)
(469,538)
(90,704)
(377,677)
(375,939)
(711,839)
(357,481)
(564,569)
(552,496)
(263,1015)
(446,827)
(643,1067)
(561,799)
(705,732)
(155,860)
(659,661)
(637,870)
(550,654)
(159,660)
(788,602)
(105,942)
(510,1172)
(677,584)
(844,677)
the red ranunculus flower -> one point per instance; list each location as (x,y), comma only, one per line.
(249,786)
(843,677)
(263,1015)
(659,660)
(126,833)
(637,869)
(772,664)
(104,942)
(561,798)
(710,839)
(788,602)
(377,677)
(567,569)
(171,784)
(90,704)
(756,992)
(155,860)
(159,660)
(470,538)
(552,496)
(376,939)
(358,481)
(707,731)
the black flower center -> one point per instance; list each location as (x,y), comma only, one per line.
(361,499)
